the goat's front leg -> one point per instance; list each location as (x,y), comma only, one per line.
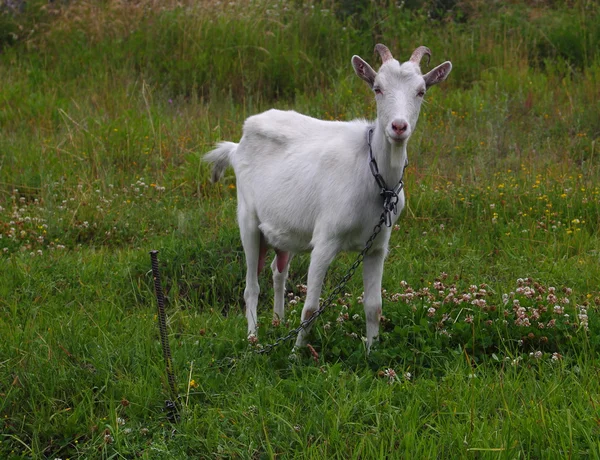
(372,275)
(320,259)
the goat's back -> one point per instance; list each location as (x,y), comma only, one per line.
(292,139)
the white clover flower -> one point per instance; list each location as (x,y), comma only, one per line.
(536,355)
(391,375)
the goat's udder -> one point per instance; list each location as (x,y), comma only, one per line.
(283,257)
(282,260)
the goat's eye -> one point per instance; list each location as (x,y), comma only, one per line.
(421,93)
(377,90)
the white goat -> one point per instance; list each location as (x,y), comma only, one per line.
(306,185)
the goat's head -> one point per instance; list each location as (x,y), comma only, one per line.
(399,89)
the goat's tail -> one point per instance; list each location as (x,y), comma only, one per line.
(220,158)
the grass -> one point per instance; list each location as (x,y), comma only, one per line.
(104,124)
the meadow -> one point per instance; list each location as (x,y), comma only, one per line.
(491,330)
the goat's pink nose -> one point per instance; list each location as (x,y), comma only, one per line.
(399,127)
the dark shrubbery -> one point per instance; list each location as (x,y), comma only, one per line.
(276,51)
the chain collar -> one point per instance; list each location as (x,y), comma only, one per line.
(390,196)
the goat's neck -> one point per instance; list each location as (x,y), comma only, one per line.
(391,158)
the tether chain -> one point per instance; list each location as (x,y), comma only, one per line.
(390,196)
(390,204)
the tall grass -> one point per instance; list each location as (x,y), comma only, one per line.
(106,111)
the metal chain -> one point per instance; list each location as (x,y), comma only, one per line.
(390,196)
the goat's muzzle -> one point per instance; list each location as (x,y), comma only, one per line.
(399,130)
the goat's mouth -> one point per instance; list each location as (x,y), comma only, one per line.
(395,138)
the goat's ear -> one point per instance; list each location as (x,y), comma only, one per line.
(364,70)
(438,75)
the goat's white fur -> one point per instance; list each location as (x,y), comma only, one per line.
(305,185)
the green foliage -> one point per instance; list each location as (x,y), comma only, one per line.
(574,39)
(18,21)
(269,52)
(104,124)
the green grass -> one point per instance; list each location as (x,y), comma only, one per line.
(103,126)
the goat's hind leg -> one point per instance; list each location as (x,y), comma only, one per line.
(280,268)
(251,241)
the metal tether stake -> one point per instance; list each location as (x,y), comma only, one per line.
(170,405)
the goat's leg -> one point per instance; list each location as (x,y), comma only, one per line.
(250,235)
(320,259)
(279,278)
(372,275)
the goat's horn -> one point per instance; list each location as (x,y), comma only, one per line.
(419,53)
(384,52)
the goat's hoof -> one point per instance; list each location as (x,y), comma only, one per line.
(294,355)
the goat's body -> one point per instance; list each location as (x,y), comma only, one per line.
(280,154)
(306,185)
(307,164)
